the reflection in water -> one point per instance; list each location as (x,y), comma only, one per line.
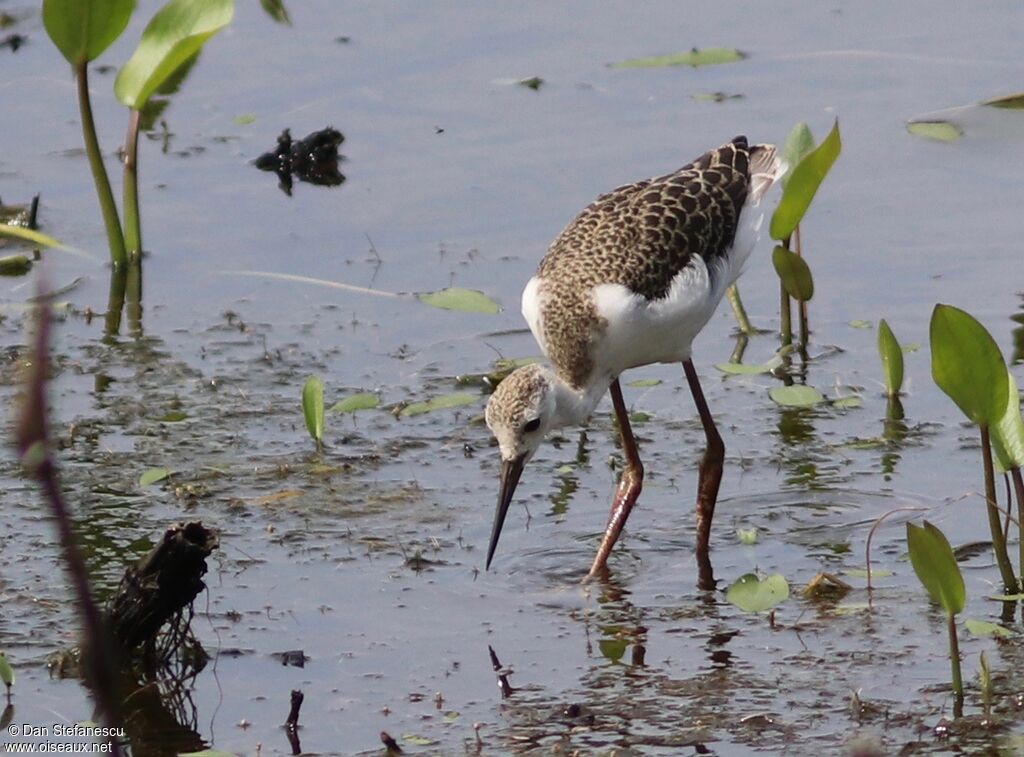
(568,480)
(503,673)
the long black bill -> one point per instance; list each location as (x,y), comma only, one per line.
(510,472)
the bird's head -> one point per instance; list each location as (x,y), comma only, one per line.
(519,413)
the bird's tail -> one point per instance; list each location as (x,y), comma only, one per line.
(766,168)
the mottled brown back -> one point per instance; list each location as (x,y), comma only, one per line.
(639,235)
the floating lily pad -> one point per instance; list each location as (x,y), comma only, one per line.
(847,403)
(857,323)
(940,131)
(863,573)
(753,594)
(639,417)
(457,298)
(644,383)
(444,402)
(707,56)
(985,628)
(357,402)
(245,119)
(747,536)
(153,475)
(613,649)
(1009,102)
(173,416)
(796,396)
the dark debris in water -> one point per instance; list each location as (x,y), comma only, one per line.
(313,159)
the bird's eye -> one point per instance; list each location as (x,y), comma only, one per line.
(532,426)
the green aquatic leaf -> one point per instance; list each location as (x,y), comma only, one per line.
(799,142)
(940,131)
(1009,102)
(935,566)
(796,396)
(859,323)
(707,56)
(6,671)
(967,365)
(740,369)
(244,119)
(151,476)
(639,417)
(794,273)
(753,594)
(612,649)
(444,402)
(892,359)
(357,402)
(644,383)
(803,183)
(747,536)
(416,740)
(173,416)
(985,628)
(1008,432)
(863,573)
(277,11)
(457,298)
(534,83)
(83,29)
(15,265)
(174,35)
(847,403)
(313,407)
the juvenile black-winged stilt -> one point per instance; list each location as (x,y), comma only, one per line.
(629,282)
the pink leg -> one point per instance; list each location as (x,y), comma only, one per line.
(629,485)
(709,480)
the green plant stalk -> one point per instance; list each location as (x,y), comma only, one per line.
(805,329)
(954,658)
(733,293)
(115,237)
(132,219)
(115,302)
(998,542)
(785,317)
(1018,487)
(133,296)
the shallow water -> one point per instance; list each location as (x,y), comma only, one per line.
(369,557)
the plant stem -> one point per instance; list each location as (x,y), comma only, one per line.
(805,329)
(132,220)
(1018,487)
(733,293)
(115,301)
(998,542)
(133,296)
(115,238)
(785,317)
(954,658)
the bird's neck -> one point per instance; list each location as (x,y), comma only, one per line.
(574,406)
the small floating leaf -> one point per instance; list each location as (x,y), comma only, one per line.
(967,365)
(173,416)
(245,119)
(15,265)
(696,57)
(357,402)
(313,407)
(753,594)
(985,628)
(277,11)
(796,395)
(412,738)
(741,369)
(794,273)
(151,476)
(1010,102)
(639,417)
(940,131)
(6,671)
(935,566)
(644,383)
(174,35)
(747,536)
(892,359)
(612,649)
(863,573)
(861,324)
(803,183)
(534,83)
(458,399)
(847,403)
(457,298)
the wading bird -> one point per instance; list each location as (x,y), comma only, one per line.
(629,282)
